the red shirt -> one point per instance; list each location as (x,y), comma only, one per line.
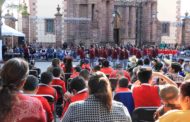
(138,54)
(26,109)
(75,74)
(82,54)
(121,55)
(146,95)
(126,54)
(126,74)
(96,52)
(45,89)
(86,66)
(46,107)
(121,89)
(114,54)
(78,97)
(58,81)
(92,53)
(104,53)
(107,70)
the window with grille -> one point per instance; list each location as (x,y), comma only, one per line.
(49,26)
(166,28)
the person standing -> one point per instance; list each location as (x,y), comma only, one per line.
(26,52)
(114,57)
(92,55)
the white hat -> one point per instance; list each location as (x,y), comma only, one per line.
(133,59)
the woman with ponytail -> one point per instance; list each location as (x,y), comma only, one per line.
(14,106)
(99,106)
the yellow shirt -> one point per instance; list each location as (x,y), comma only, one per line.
(175,116)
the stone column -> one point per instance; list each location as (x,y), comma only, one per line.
(154,24)
(58,27)
(25,27)
(102,20)
(127,22)
(133,22)
(186,31)
(111,8)
(25,23)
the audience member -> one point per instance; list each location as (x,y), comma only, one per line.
(169,95)
(180,115)
(85,74)
(76,72)
(57,78)
(120,72)
(106,69)
(174,69)
(99,106)
(123,85)
(44,87)
(15,106)
(96,68)
(79,91)
(31,88)
(145,94)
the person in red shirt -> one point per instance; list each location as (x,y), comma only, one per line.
(146,95)
(82,53)
(104,53)
(119,72)
(85,65)
(106,69)
(138,54)
(56,79)
(79,90)
(122,86)
(76,72)
(44,86)
(30,88)
(26,52)
(114,56)
(121,56)
(92,55)
(97,52)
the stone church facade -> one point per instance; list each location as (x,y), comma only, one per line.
(93,21)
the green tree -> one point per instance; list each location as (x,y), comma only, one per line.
(20,8)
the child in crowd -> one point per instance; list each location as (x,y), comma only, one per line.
(169,96)
(30,88)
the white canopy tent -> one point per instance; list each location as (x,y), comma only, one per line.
(8,31)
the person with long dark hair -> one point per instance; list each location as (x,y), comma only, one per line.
(14,106)
(99,106)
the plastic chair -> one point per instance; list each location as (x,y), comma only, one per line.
(127,99)
(144,114)
(34,73)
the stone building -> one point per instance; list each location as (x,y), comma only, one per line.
(42,23)
(93,21)
(169,15)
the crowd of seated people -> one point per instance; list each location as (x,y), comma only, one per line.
(99,93)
